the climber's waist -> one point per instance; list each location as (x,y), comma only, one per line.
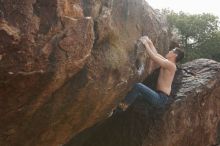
(161,92)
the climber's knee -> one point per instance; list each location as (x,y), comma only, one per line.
(137,86)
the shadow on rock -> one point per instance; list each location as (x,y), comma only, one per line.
(131,128)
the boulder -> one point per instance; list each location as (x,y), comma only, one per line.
(191,118)
(64,64)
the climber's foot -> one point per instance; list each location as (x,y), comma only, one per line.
(119,109)
(115,112)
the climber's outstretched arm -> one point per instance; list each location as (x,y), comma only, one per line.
(163,62)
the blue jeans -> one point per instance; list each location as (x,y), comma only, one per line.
(156,99)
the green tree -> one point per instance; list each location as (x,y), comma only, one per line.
(196,31)
(211,48)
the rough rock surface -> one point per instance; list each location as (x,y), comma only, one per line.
(192,118)
(65,63)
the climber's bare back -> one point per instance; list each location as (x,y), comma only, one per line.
(165,80)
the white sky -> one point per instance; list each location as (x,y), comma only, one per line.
(190,6)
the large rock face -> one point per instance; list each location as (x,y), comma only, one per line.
(65,63)
(192,118)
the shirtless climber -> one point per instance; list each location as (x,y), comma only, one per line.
(159,97)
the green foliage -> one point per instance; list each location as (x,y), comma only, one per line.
(211,47)
(198,33)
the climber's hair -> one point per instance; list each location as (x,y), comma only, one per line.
(180,54)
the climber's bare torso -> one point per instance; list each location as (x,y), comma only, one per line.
(167,66)
(165,80)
